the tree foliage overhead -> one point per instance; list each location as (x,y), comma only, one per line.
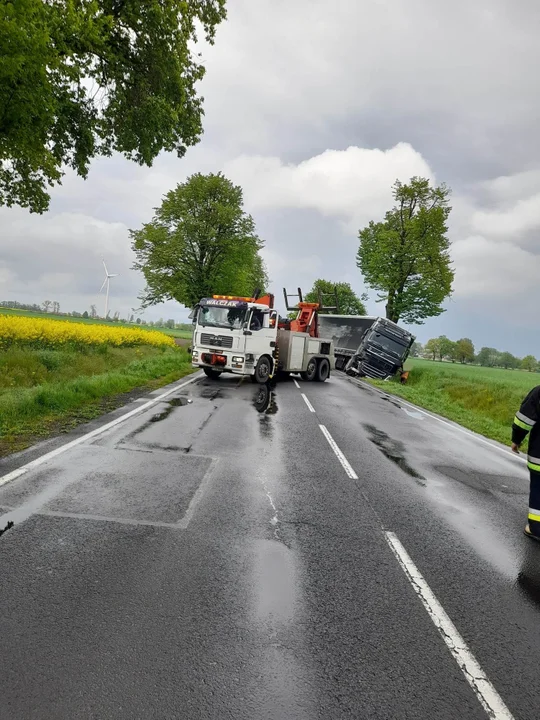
(406,257)
(348,302)
(81,78)
(200,242)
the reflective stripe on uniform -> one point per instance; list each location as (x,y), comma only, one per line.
(534,514)
(525,419)
(523,424)
(533,464)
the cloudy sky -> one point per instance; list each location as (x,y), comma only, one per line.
(315,108)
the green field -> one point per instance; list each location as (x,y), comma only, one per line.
(49,385)
(90,321)
(481,399)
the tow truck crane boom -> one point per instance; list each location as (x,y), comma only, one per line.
(307,319)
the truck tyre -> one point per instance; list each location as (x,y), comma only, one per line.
(212,374)
(311,371)
(323,370)
(263,369)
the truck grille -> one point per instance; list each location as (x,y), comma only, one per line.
(224,341)
(374,372)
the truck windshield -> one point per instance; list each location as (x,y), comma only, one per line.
(387,344)
(230,318)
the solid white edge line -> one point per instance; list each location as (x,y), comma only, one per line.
(340,456)
(472,435)
(310,406)
(296,383)
(98,431)
(482,687)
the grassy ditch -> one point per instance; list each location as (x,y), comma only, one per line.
(481,399)
(43,392)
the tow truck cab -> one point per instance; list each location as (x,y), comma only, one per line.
(235,335)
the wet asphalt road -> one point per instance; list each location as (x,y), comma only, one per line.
(204,559)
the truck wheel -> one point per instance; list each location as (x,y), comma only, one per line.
(323,370)
(311,371)
(212,374)
(263,369)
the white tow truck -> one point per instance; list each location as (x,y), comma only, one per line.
(245,336)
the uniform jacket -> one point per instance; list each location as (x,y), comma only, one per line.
(527,420)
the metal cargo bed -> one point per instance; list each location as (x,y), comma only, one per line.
(345,330)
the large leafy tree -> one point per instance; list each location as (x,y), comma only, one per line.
(433,347)
(406,256)
(81,78)
(507,360)
(447,348)
(200,242)
(488,357)
(348,302)
(464,350)
(416,350)
(529,363)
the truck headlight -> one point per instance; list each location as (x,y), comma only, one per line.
(238,359)
(195,354)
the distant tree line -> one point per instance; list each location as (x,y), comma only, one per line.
(463,351)
(14,305)
(53,308)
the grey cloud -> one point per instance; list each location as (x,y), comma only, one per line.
(457,81)
(464,73)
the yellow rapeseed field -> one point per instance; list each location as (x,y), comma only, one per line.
(43,333)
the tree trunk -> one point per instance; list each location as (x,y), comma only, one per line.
(391,312)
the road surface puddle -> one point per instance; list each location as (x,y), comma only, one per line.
(481,481)
(175,402)
(528,578)
(413,413)
(276,584)
(394,450)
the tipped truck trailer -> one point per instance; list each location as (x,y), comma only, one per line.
(346,332)
(367,346)
(245,336)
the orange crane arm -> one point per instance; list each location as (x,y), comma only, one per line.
(306,320)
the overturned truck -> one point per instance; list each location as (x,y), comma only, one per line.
(367,346)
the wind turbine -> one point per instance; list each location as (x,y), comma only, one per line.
(106,282)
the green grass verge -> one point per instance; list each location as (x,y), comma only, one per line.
(481,399)
(79,388)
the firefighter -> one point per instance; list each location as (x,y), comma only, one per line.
(527,420)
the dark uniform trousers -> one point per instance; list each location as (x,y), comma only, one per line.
(527,420)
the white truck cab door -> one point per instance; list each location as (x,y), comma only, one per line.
(263,328)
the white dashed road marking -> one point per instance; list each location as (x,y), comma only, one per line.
(482,687)
(490,699)
(337,452)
